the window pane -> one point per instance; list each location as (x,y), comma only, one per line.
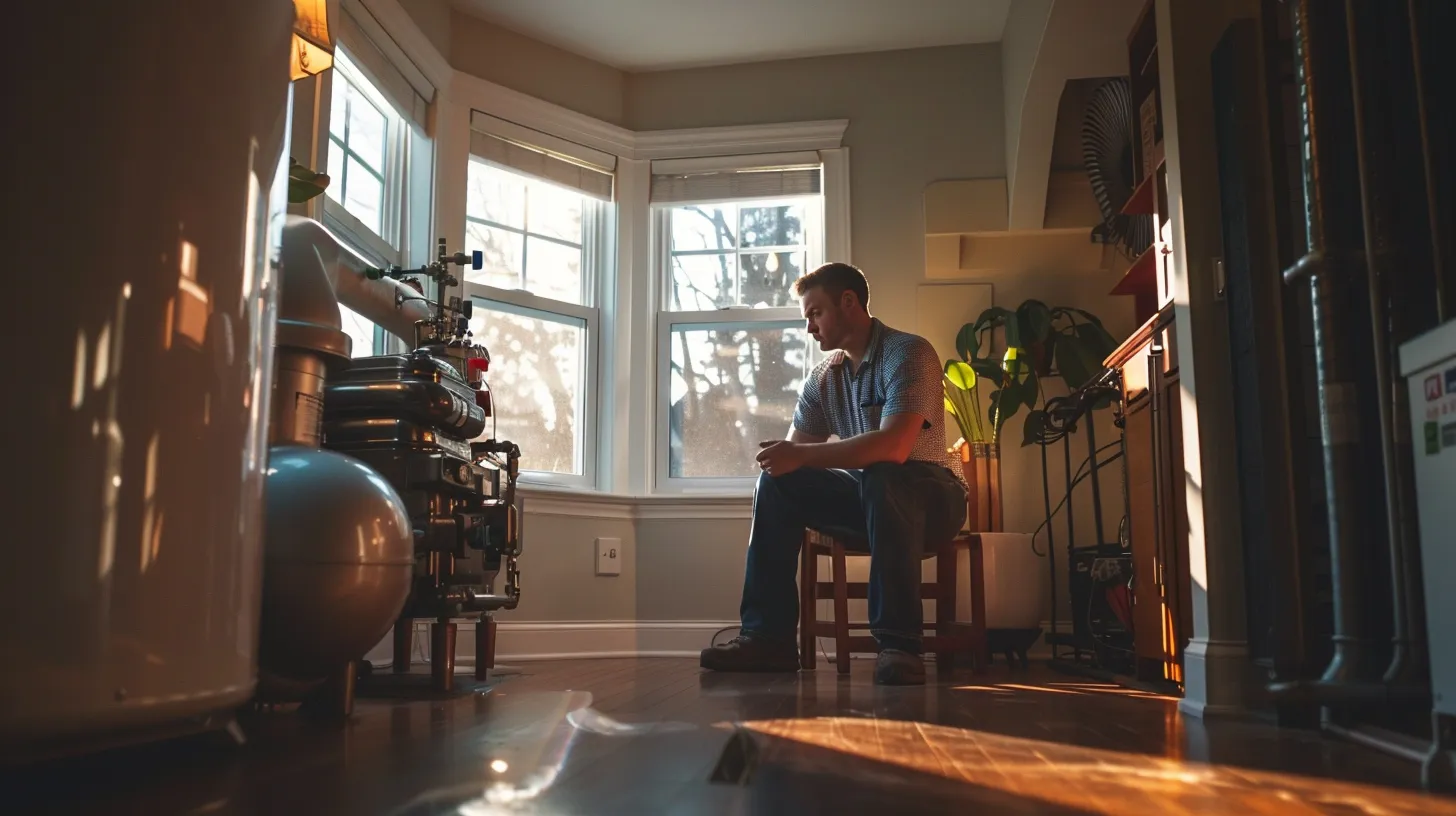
(768,278)
(553,270)
(554,211)
(501,264)
(731,389)
(360,330)
(493,194)
(702,282)
(772,226)
(705,227)
(364,195)
(366,129)
(335,189)
(338,107)
(535,382)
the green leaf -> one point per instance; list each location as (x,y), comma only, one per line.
(961,375)
(988,370)
(966,342)
(1031,391)
(1096,338)
(1086,315)
(1035,322)
(1069,362)
(950,407)
(1031,429)
(991,318)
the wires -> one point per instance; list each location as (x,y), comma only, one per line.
(1079,476)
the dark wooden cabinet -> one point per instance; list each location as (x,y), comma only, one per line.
(1157,523)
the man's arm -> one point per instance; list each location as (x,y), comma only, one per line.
(891,443)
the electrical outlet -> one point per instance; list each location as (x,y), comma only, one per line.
(609,556)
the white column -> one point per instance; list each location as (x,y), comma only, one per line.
(1218,675)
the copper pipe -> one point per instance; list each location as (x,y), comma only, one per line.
(442,654)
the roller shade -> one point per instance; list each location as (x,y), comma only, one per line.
(385,63)
(591,172)
(687,180)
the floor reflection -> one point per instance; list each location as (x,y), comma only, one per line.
(1089,780)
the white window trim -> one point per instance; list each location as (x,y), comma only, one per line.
(597,252)
(588,402)
(384,246)
(667,322)
(728,318)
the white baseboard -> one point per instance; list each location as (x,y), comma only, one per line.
(526,641)
(521,641)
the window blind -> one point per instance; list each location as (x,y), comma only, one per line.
(518,148)
(678,181)
(385,63)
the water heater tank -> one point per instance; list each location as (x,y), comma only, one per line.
(149,192)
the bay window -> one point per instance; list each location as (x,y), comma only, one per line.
(732,350)
(541,217)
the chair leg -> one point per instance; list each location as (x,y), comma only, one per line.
(808,614)
(841,610)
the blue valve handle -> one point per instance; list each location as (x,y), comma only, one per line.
(477,259)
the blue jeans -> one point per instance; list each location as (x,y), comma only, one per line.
(894,510)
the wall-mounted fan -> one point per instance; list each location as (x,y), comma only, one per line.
(1107,140)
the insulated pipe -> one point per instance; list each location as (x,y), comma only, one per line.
(1384,107)
(1333,232)
(386,302)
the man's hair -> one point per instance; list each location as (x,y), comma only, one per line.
(835,278)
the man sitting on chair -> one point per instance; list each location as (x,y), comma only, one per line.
(886,480)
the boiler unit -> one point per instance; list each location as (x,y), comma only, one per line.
(413,505)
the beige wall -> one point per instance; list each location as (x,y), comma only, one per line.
(558,570)
(537,69)
(433,18)
(690,569)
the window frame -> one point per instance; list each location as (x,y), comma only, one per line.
(666,321)
(597,261)
(387,245)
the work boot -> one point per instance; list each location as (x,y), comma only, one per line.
(899,668)
(747,653)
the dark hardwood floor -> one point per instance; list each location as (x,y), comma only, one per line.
(659,735)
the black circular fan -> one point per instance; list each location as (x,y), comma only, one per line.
(1107,137)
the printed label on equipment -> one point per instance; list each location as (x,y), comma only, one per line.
(308,416)
(1433,439)
(1448,435)
(1433,387)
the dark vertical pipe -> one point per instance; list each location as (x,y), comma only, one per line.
(402,644)
(1096,483)
(1396,269)
(1333,229)
(1430,18)
(1046,497)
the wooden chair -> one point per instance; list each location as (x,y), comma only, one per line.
(950,637)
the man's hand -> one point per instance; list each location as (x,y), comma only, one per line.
(779,457)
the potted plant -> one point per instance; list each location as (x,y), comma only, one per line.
(1038,342)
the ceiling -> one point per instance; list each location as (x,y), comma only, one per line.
(657,35)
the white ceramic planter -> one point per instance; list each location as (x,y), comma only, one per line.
(1016,582)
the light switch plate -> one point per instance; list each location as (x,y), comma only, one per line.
(609,556)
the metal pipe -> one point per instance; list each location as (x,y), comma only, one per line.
(442,654)
(1331,231)
(1377,86)
(1096,484)
(384,301)
(1046,495)
(1389,742)
(1432,132)
(403,635)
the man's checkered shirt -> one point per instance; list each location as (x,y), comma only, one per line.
(900,372)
